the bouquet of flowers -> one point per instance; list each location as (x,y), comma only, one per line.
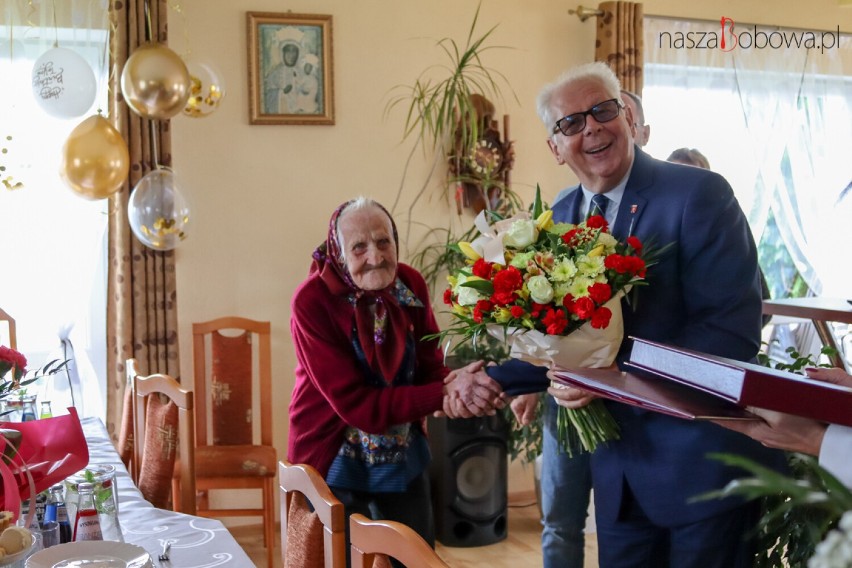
(552,291)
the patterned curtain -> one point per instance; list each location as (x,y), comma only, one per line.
(620,42)
(141,287)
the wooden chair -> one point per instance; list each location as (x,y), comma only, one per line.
(144,387)
(233,416)
(295,479)
(10,325)
(368,539)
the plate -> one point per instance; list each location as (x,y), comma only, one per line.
(91,554)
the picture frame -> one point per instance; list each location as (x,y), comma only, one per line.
(290,67)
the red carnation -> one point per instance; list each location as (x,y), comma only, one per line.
(508,280)
(13,358)
(583,308)
(601,317)
(503,298)
(517,311)
(448,296)
(568,237)
(555,321)
(600,292)
(482,268)
(597,222)
(479,309)
(616,262)
(635,243)
(536,309)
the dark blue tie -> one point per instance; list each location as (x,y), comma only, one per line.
(599,204)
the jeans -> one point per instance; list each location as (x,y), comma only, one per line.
(565,486)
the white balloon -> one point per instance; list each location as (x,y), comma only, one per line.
(63,83)
(158,212)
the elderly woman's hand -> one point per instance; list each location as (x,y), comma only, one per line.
(469,391)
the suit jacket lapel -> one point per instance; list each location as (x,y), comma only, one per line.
(567,210)
(632,203)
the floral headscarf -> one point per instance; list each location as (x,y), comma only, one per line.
(381,332)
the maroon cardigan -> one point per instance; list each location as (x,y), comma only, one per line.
(331,392)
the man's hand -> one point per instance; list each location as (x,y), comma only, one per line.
(780,430)
(785,431)
(569,397)
(524,408)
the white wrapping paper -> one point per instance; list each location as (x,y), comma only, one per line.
(584,347)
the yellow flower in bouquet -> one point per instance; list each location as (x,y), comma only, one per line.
(552,291)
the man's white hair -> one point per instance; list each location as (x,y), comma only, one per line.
(598,72)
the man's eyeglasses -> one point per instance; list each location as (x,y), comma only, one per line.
(575,123)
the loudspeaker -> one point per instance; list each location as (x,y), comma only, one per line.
(469,475)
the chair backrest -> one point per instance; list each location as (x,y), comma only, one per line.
(144,388)
(370,538)
(233,381)
(305,480)
(7,330)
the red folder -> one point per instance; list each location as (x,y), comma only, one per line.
(744,384)
(653,393)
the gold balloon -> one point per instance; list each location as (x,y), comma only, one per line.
(155,82)
(95,160)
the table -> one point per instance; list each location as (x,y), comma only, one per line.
(197,542)
(820,311)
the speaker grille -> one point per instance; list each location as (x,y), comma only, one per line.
(477,468)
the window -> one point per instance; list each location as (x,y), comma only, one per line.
(775,122)
(52,240)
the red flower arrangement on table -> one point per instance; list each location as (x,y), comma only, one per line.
(553,292)
(37,454)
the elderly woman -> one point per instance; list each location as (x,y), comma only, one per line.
(365,378)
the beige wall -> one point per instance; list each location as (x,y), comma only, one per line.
(261,195)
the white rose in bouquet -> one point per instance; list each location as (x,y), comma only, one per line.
(540,289)
(521,234)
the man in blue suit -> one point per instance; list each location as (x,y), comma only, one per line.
(704,294)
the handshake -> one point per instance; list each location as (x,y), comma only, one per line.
(470,392)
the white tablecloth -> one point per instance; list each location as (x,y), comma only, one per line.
(197,542)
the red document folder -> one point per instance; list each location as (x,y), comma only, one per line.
(744,384)
(653,393)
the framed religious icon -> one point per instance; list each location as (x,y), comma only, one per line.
(290,69)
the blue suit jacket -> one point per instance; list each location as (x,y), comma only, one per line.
(704,294)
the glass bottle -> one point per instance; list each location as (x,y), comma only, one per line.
(45,411)
(57,511)
(28,411)
(87,525)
